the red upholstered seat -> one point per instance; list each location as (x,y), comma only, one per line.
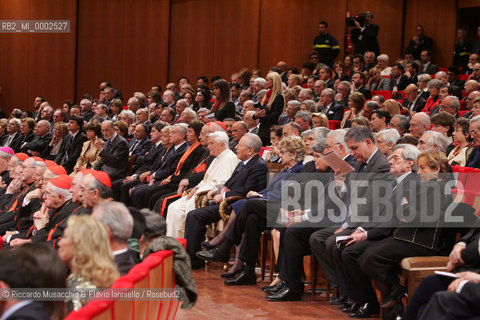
(333,124)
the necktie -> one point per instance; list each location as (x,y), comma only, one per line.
(9,140)
(362,167)
(133,147)
(240,167)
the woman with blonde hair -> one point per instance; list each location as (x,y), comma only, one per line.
(392,106)
(319,120)
(60,131)
(85,249)
(271,107)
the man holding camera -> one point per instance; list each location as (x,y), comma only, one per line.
(364,34)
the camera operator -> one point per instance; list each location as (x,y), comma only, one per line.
(364,34)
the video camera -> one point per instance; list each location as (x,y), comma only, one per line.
(361,18)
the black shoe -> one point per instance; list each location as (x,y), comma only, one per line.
(206,245)
(274,289)
(367,310)
(351,307)
(338,301)
(214,255)
(243,278)
(285,294)
(230,275)
(346,305)
(394,297)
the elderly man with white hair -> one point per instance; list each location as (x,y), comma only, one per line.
(217,174)
(432,140)
(387,139)
(419,123)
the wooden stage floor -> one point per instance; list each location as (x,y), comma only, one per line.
(217,301)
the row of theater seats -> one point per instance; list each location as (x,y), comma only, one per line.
(156,271)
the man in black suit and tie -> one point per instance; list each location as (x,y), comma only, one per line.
(14,137)
(121,187)
(428,67)
(413,101)
(72,146)
(140,194)
(372,165)
(20,268)
(119,223)
(140,143)
(333,110)
(398,80)
(250,174)
(39,145)
(358,284)
(113,154)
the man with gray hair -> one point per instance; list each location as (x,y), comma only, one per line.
(113,154)
(133,104)
(474,158)
(119,223)
(293,106)
(239,129)
(470,98)
(251,123)
(419,123)
(216,175)
(304,120)
(248,175)
(328,106)
(14,137)
(258,85)
(386,140)
(305,94)
(181,105)
(451,105)
(432,140)
(343,91)
(187,116)
(400,122)
(39,145)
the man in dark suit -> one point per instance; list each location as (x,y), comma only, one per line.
(119,223)
(365,36)
(14,137)
(358,80)
(140,143)
(398,80)
(141,193)
(372,165)
(419,43)
(73,144)
(358,285)
(86,109)
(428,67)
(413,101)
(39,145)
(113,154)
(333,110)
(249,175)
(20,269)
(121,187)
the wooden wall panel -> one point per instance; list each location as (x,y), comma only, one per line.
(235,42)
(388,15)
(192,36)
(331,11)
(280,29)
(439,24)
(145,45)
(14,58)
(51,61)
(99,45)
